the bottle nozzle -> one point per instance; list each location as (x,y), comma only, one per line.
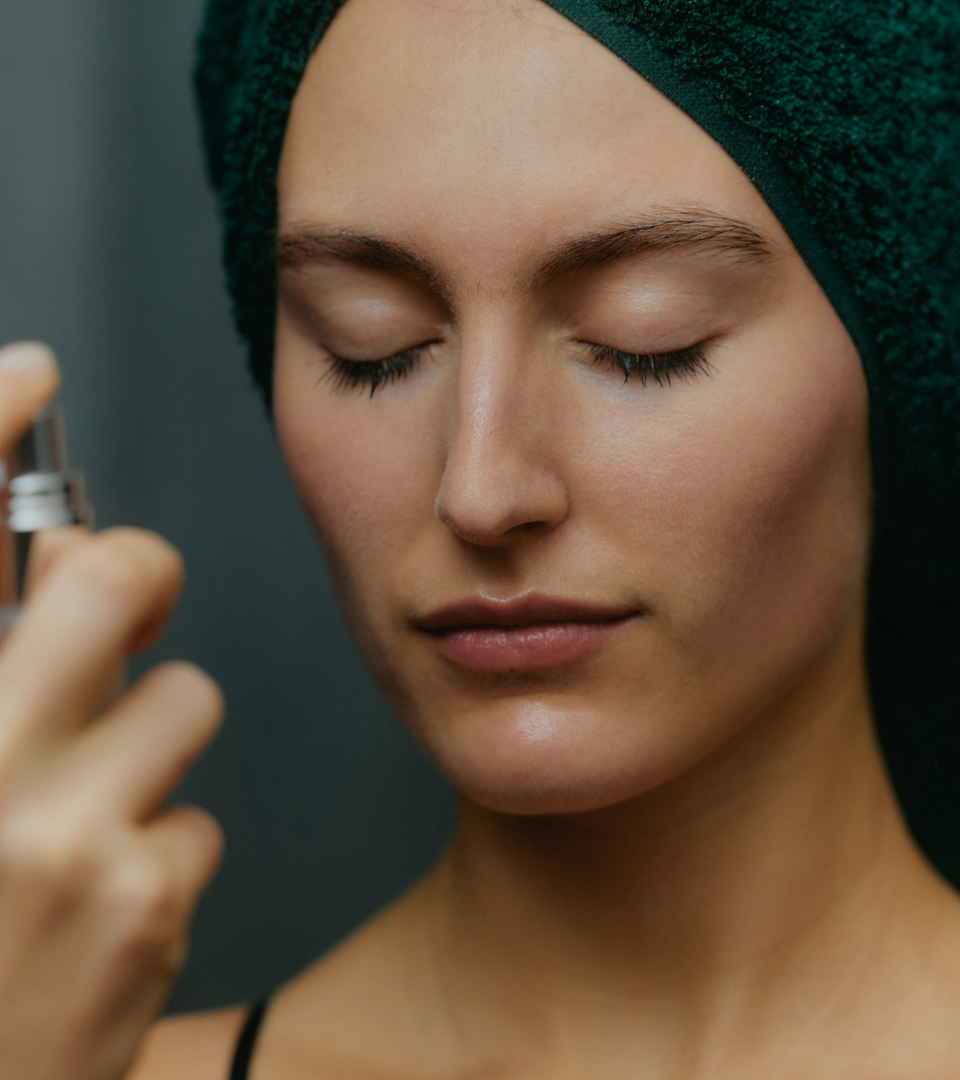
(42,493)
(44,447)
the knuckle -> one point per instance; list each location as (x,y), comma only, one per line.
(142,901)
(46,853)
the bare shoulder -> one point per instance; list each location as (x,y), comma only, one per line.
(362,1010)
(192,1047)
(370,1008)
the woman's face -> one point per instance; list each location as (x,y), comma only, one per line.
(581,435)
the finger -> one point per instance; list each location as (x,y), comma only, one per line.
(28,379)
(190,842)
(138,752)
(48,548)
(56,664)
(178,854)
(146,899)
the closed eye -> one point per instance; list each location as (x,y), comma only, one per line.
(361,374)
(683,364)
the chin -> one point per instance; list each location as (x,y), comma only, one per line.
(536,757)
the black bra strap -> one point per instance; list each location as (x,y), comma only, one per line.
(240,1069)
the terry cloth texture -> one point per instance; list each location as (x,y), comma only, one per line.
(846,116)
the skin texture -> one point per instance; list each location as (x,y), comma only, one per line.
(678,855)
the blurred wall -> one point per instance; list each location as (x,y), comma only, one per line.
(108,250)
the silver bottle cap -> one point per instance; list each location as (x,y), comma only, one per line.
(43,491)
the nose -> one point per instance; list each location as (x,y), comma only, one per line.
(501,477)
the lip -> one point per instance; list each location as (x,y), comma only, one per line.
(530,632)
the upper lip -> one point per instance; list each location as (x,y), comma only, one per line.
(528,609)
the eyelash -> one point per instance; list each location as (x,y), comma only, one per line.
(684,364)
(360,374)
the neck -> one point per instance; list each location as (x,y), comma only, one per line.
(742,897)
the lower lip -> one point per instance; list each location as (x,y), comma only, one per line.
(524,648)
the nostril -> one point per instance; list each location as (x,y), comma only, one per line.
(502,477)
(529,503)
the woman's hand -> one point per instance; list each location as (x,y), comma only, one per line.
(97,879)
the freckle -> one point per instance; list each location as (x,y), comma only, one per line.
(537,723)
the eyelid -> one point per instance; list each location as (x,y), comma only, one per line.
(685,364)
(359,374)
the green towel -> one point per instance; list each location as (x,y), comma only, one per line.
(846,116)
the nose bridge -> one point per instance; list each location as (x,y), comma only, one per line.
(488,418)
(498,472)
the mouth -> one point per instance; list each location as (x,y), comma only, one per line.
(531,632)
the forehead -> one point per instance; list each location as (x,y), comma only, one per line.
(501,123)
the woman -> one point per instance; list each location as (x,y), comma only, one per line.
(589,446)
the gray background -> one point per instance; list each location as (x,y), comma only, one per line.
(108,250)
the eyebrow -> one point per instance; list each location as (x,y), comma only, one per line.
(710,233)
(302,247)
(703,231)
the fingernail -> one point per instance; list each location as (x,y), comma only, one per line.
(26,358)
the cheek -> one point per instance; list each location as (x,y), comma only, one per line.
(367,486)
(737,507)
(748,505)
